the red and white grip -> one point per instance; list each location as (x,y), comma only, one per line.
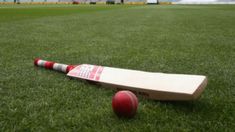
(53,66)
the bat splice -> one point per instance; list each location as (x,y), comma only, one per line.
(158,86)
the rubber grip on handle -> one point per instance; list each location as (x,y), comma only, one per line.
(52,65)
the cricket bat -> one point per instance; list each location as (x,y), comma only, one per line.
(153,85)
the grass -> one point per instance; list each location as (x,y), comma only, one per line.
(191,39)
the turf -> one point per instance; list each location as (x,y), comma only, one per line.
(173,39)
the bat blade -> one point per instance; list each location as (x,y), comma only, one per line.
(158,86)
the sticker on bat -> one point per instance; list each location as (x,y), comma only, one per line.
(86,71)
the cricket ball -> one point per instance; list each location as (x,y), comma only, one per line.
(125,104)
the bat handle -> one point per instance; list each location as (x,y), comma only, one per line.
(53,65)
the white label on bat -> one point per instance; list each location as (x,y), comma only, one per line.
(86,71)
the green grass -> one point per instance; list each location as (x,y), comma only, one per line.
(172,39)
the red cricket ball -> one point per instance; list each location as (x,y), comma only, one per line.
(125,104)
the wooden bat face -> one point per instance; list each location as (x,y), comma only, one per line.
(160,86)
